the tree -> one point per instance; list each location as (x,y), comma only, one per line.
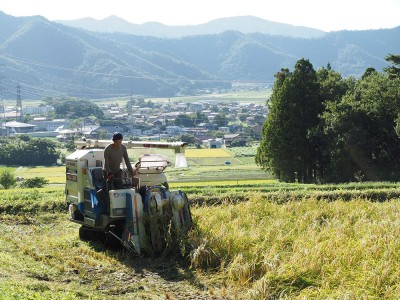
(270,154)
(243,117)
(287,148)
(394,70)
(199,117)
(76,123)
(332,88)
(361,131)
(7,179)
(70,146)
(220,120)
(103,134)
(187,138)
(77,108)
(183,120)
(35,151)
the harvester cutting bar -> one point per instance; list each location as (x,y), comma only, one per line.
(131,144)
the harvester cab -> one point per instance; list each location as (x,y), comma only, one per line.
(139,213)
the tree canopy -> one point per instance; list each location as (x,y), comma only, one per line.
(286,148)
(323,128)
(394,70)
(75,108)
(26,151)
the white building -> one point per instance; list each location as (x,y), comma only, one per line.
(15,127)
(37,110)
(173,130)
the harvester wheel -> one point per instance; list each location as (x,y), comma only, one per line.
(89,234)
(84,233)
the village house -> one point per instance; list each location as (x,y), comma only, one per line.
(213,143)
(224,129)
(173,130)
(229,138)
(65,135)
(43,124)
(14,127)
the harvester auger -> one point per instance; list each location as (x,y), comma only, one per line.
(141,212)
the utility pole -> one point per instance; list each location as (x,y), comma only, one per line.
(19,104)
(2,124)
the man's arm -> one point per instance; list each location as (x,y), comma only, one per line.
(128,163)
(106,160)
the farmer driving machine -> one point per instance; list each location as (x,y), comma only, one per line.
(143,214)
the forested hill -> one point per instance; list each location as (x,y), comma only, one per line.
(50,59)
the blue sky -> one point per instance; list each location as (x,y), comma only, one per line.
(327,15)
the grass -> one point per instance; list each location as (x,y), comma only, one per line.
(63,267)
(253,238)
(266,241)
(305,248)
(42,257)
(291,244)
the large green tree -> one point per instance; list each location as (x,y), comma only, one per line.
(24,151)
(287,147)
(333,129)
(332,87)
(361,130)
(183,120)
(76,108)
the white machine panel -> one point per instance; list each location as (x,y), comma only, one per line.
(118,201)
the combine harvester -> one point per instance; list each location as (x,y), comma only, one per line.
(143,215)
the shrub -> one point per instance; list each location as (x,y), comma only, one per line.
(35,182)
(7,179)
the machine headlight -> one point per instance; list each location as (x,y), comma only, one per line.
(119,212)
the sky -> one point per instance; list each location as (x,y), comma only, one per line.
(326,15)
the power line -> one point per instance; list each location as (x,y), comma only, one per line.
(127,76)
(33,91)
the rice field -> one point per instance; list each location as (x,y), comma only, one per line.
(303,249)
(203,165)
(283,241)
(253,238)
(54,174)
(207,153)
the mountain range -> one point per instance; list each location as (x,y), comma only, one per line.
(50,59)
(243,24)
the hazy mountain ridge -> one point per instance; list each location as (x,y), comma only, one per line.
(49,59)
(244,24)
